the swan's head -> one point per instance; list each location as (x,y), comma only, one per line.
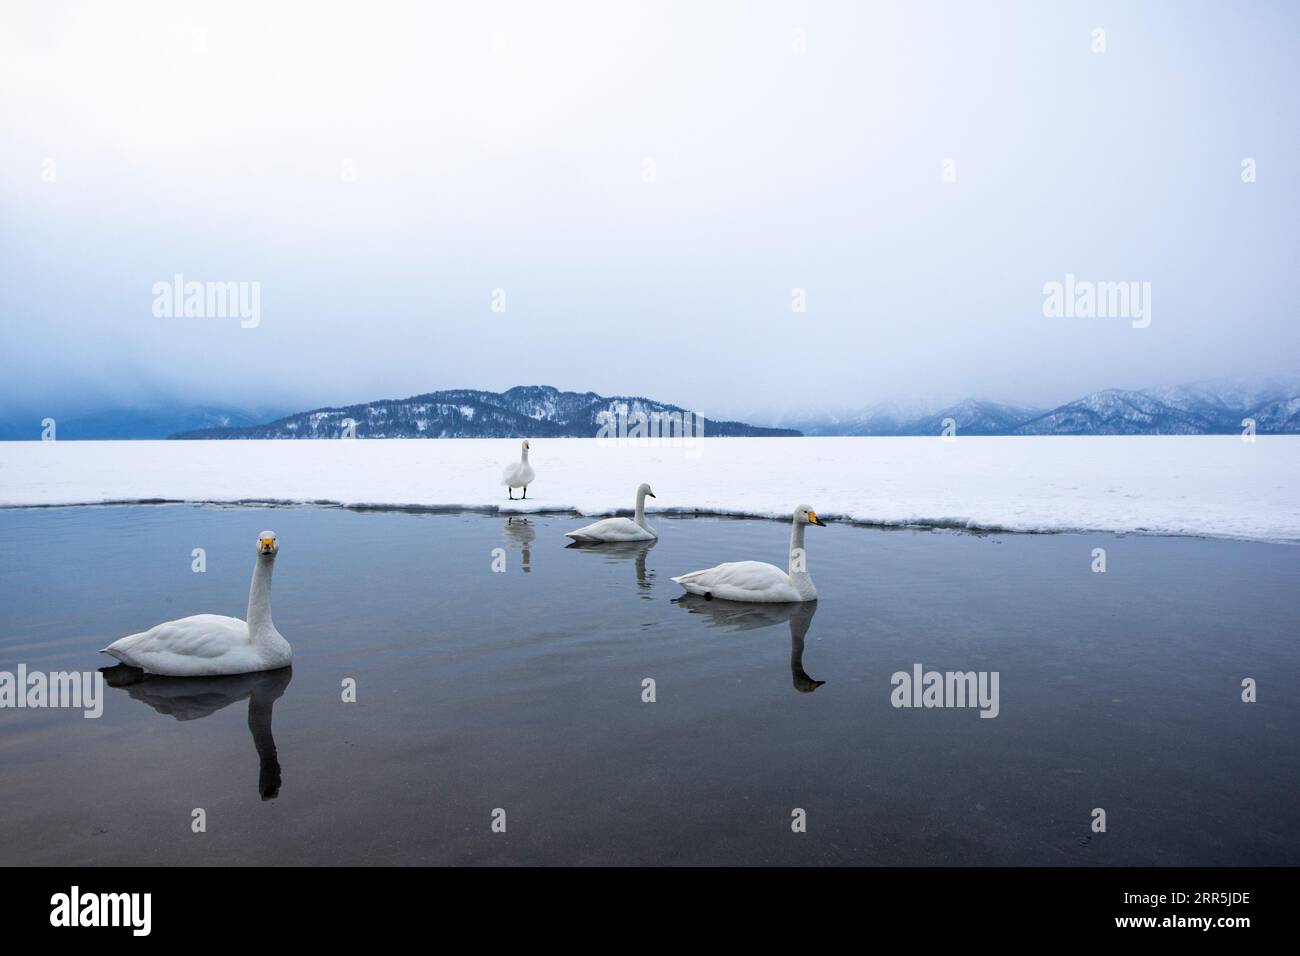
(805,515)
(645,490)
(525,444)
(267,544)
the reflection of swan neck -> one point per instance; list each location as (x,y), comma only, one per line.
(797,553)
(799,622)
(796,654)
(259,723)
(259,600)
(803,681)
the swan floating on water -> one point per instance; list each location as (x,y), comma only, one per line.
(213,645)
(518,474)
(757,581)
(620,529)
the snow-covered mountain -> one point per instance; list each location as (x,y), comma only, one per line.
(976,417)
(1115,411)
(973,417)
(884,418)
(526,411)
(1280,417)
(1215,407)
(1231,395)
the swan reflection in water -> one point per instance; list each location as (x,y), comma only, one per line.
(192,698)
(618,551)
(736,616)
(520,534)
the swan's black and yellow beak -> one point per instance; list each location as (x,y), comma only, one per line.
(813,519)
(652,494)
(266,545)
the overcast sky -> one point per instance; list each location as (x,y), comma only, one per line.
(380,169)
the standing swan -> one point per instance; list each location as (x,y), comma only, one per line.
(619,529)
(519,474)
(212,645)
(757,581)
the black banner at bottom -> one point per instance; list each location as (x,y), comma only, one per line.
(347,903)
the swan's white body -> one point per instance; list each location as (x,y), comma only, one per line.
(213,645)
(619,529)
(757,581)
(519,474)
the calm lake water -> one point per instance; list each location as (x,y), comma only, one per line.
(522,690)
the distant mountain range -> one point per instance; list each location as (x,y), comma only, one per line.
(538,411)
(1205,408)
(526,411)
(973,417)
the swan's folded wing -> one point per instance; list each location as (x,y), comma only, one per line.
(610,529)
(517,473)
(197,637)
(740,581)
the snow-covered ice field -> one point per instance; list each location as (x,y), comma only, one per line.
(1186,485)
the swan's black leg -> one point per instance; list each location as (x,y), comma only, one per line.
(525,491)
(511,492)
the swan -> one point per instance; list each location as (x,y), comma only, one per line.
(213,645)
(620,529)
(518,474)
(756,581)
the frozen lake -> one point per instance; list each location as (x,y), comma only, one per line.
(522,690)
(1215,485)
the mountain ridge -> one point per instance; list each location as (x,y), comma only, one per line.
(525,411)
(1213,407)
(1216,406)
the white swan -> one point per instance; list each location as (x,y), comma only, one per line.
(620,529)
(757,581)
(212,645)
(518,474)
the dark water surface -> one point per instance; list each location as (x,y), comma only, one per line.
(522,690)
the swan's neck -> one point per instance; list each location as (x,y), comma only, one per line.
(259,600)
(523,456)
(640,508)
(798,556)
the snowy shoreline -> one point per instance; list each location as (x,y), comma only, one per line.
(1209,486)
